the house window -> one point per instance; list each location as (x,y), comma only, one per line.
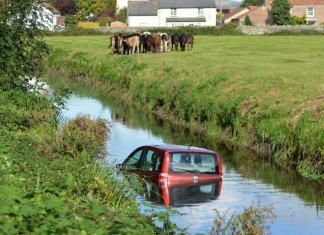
(200,11)
(173,11)
(310,12)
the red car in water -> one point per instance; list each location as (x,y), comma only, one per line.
(174,164)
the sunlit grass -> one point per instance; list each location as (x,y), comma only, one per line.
(88,24)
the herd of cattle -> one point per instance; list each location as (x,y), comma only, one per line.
(146,43)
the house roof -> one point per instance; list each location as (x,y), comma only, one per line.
(186,19)
(186,4)
(233,13)
(251,9)
(50,7)
(306,2)
(142,8)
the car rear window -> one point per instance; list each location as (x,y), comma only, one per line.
(204,163)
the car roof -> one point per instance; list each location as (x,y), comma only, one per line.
(185,148)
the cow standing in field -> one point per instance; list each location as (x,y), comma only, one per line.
(175,41)
(190,42)
(148,43)
(164,42)
(157,42)
(132,42)
(113,44)
(142,43)
(116,43)
(169,44)
(183,41)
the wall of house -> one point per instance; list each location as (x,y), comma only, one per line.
(142,21)
(301,10)
(260,16)
(209,14)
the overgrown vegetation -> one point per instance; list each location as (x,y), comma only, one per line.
(238,93)
(253,221)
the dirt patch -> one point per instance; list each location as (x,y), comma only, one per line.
(247,105)
(273,91)
(316,106)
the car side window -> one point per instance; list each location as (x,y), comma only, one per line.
(133,163)
(147,163)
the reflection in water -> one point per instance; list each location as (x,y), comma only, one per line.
(181,194)
(298,202)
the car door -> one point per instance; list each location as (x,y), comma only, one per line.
(149,165)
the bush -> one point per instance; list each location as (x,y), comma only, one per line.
(247,21)
(295,20)
(104,21)
(71,21)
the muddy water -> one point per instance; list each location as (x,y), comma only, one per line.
(298,202)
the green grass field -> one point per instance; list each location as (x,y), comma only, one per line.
(267,91)
(288,70)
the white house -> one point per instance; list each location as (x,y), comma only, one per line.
(171,13)
(50,16)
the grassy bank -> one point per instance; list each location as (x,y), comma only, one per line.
(54,179)
(265,93)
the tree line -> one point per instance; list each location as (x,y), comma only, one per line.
(90,10)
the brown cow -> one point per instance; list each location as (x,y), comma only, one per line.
(116,43)
(190,42)
(169,42)
(113,44)
(157,42)
(132,42)
(148,43)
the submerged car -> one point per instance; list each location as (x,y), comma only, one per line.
(174,164)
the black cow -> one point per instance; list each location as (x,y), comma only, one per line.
(175,41)
(142,43)
(183,41)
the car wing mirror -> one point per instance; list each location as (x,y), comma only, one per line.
(120,166)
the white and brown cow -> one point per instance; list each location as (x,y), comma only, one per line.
(132,42)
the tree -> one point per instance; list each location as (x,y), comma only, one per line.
(122,15)
(22,46)
(66,7)
(280,9)
(247,21)
(71,21)
(86,7)
(247,3)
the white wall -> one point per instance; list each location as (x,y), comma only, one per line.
(209,14)
(160,20)
(142,21)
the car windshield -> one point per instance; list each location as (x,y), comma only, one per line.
(202,163)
